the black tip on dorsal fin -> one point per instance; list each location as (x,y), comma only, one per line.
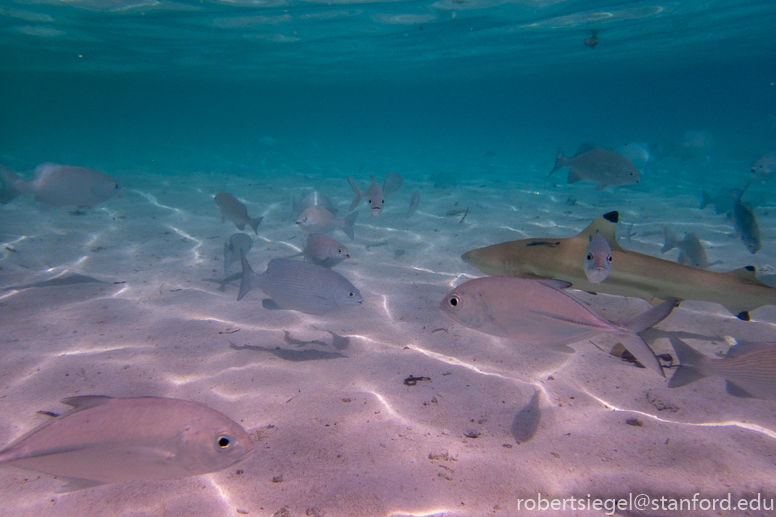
(753,269)
(744,316)
(612,217)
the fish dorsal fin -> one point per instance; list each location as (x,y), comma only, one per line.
(607,227)
(585,147)
(86,401)
(748,275)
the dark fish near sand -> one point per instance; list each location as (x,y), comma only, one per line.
(747,227)
(633,274)
(592,40)
(238,242)
(317,219)
(723,202)
(324,251)
(414,202)
(108,440)
(300,286)
(597,164)
(314,198)
(691,250)
(526,421)
(598,259)
(60,185)
(232,209)
(694,144)
(375,195)
(538,312)
(764,167)
(749,369)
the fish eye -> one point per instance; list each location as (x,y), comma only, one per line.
(454,300)
(589,256)
(116,186)
(304,219)
(383,201)
(351,294)
(609,258)
(370,201)
(223,441)
(340,250)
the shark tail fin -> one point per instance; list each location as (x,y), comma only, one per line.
(691,369)
(359,194)
(255,224)
(347,225)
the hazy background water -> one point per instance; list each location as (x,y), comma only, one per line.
(251,85)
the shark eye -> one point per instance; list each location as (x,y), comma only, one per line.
(223,441)
(589,256)
(454,300)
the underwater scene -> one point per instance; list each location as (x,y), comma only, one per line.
(293,258)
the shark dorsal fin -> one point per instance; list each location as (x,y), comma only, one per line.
(606,226)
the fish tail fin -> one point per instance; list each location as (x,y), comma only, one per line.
(347,225)
(12,186)
(705,200)
(642,352)
(255,224)
(560,162)
(671,241)
(650,317)
(691,369)
(359,194)
(247,277)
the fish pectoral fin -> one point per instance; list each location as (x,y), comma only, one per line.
(563,348)
(737,391)
(642,352)
(86,401)
(555,284)
(75,484)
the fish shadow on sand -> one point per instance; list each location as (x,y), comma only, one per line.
(526,421)
(73,279)
(290,355)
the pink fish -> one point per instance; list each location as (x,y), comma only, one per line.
(539,313)
(108,440)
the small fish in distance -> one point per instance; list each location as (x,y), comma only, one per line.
(232,209)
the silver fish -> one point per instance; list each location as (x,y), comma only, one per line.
(638,154)
(747,227)
(324,251)
(237,242)
(691,250)
(414,202)
(749,369)
(598,259)
(300,286)
(61,185)
(232,209)
(375,195)
(108,440)
(764,167)
(314,198)
(598,164)
(539,313)
(317,219)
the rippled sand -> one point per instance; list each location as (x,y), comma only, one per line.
(338,430)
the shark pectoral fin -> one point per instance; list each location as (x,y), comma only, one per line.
(737,391)
(563,348)
(641,351)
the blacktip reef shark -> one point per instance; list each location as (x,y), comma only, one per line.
(633,274)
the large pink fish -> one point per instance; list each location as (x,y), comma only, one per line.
(107,440)
(539,313)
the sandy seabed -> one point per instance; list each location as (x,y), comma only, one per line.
(136,308)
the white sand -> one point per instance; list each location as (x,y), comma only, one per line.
(348,437)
